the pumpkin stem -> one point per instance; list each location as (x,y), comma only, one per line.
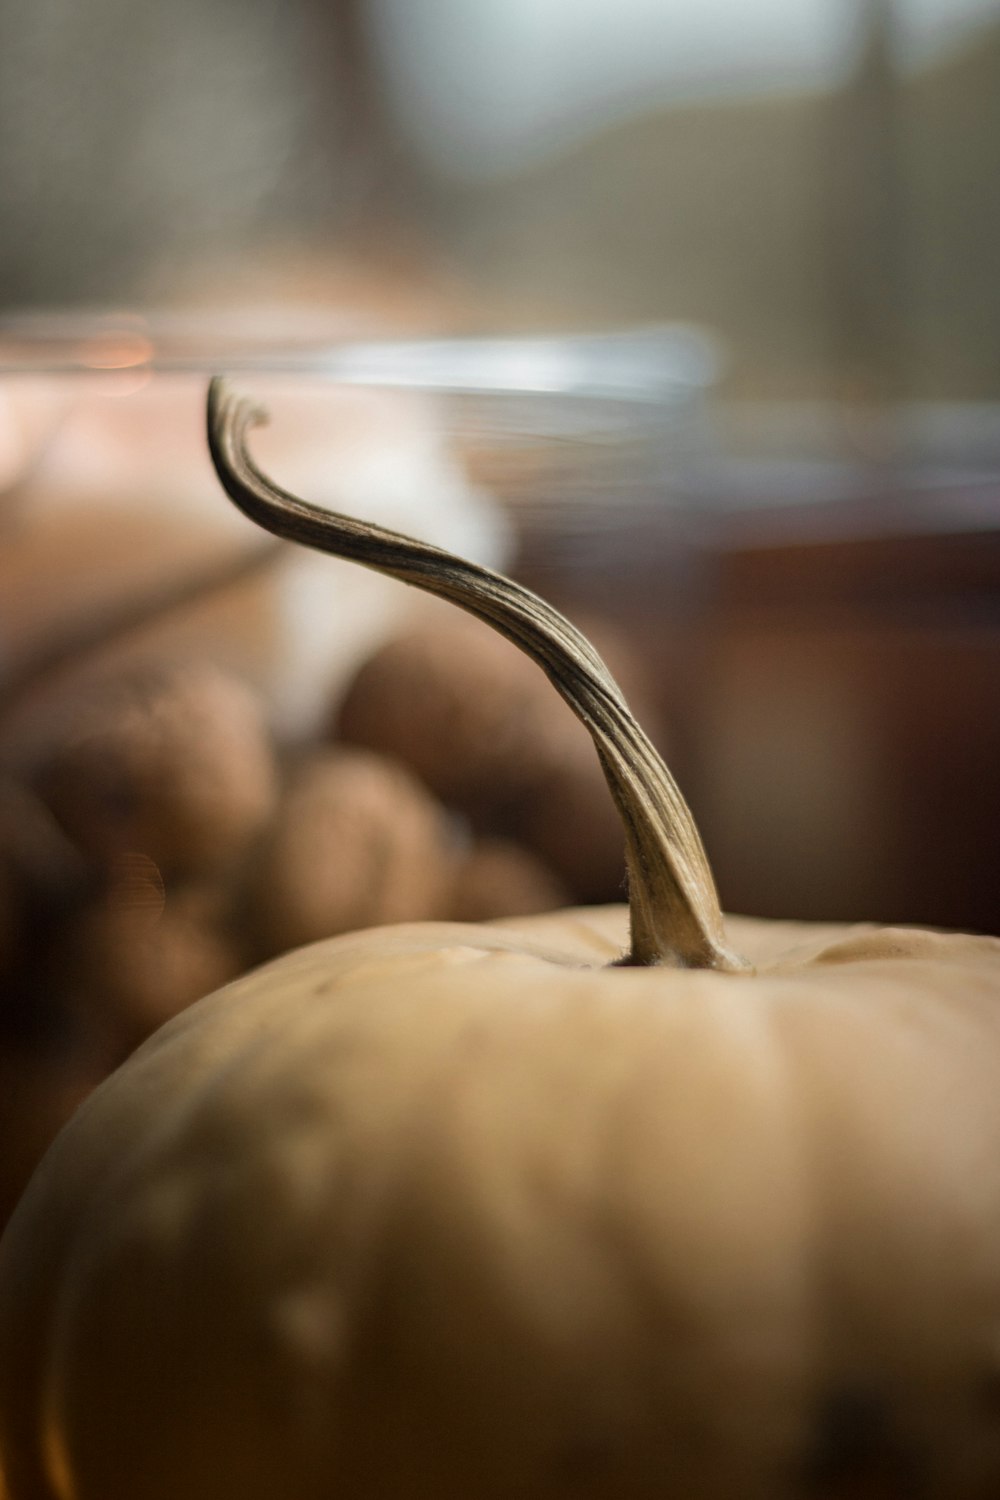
(674,909)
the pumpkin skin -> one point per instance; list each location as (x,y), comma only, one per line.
(451,1211)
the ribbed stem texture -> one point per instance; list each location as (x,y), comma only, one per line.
(675,914)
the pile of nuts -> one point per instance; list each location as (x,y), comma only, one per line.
(165,841)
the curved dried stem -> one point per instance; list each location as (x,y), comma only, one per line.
(675,915)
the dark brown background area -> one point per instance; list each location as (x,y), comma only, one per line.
(833,701)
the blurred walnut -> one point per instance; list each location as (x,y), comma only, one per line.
(357,842)
(41,875)
(498,878)
(174,763)
(139,955)
(570,821)
(474,718)
(481,725)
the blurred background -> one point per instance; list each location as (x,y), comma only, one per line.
(814,180)
(684,311)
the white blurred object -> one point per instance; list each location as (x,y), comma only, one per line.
(412,434)
(125,500)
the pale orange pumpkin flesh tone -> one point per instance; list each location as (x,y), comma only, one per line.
(444,1212)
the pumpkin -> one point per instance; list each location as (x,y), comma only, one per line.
(612,1204)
